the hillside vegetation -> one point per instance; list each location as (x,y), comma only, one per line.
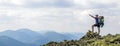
(90,39)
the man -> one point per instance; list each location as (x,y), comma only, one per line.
(97,24)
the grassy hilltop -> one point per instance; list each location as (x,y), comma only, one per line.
(90,39)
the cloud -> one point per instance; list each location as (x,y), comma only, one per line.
(119,23)
(37,19)
(96,4)
(58,15)
(49,3)
(36,3)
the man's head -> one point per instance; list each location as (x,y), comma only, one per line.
(97,15)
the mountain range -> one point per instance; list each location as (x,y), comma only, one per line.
(7,41)
(24,37)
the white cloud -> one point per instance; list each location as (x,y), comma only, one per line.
(119,23)
(12,2)
(37,19)
(81,2)
(36,3)
(17,2)
(97,3)
(54,15)
(87,2)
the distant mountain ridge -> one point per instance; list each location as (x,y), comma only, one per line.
(7,41)
(33,38)
(24,35)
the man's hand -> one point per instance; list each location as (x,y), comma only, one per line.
(91,16)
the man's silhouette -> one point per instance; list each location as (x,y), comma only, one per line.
(97,24)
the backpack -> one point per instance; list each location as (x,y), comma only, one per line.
(101,21)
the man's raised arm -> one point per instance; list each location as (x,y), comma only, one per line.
(91,16)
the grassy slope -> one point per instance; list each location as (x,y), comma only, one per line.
(90,39)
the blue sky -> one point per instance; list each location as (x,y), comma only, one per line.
(59,15)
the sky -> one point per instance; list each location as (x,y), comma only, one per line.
(59,15)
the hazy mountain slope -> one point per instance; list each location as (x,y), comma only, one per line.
(7,41)
(23,35)
(53,36)
(35,38)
